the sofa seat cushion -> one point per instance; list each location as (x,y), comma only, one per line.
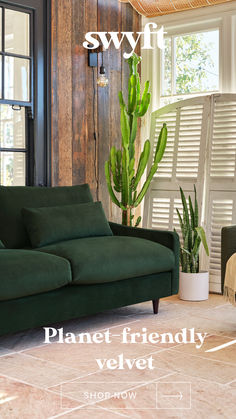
(27,272)
(112,258)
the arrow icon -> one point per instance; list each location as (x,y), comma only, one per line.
(218,348)
(174,396)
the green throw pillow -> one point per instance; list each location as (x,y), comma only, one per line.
(49,225)
(2,245)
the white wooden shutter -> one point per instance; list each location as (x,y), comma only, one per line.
(187,123)
(201,150)
(220,179)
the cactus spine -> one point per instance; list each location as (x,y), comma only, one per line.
(120,172)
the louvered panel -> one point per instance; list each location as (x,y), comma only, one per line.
(164,215)
(220,180)
(165,167)
(221,216)
(189,143)
(187,127)
(163,207)
(223,142)
(161,213)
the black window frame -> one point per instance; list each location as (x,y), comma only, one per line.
(37,148)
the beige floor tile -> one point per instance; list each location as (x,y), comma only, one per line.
(178,396)
(104,384)
(82,357)
(227,355)
(225,312)
(94,412)
(147,414)
(136,397)
(35,371)
(195,366)
(5,351)
(208,400)
(203,324)
(232,384)
(213,300)
(200,308)
(170,311)
(18,400)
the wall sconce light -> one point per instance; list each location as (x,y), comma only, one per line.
(92,58)
(102,80)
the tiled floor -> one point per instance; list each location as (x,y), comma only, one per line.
(62,380)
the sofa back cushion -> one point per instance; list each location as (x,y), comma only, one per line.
(55,224)
(13,198)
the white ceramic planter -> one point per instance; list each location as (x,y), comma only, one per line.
(194,287)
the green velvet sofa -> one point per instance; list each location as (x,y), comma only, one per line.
(228,248)
(75,276)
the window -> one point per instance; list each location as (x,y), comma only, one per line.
(206,39)
(16,94)
(23,92)
(190,65)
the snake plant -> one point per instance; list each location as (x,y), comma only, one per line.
(192,234)
(123,181)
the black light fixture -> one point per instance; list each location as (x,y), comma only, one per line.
(92,58)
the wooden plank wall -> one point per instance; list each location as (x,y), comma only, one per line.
(85,118)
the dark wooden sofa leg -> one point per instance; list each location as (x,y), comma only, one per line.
(155,304)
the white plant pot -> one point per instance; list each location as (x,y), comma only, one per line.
(194,287)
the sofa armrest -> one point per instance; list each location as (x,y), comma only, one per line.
(169,239)
(228,248)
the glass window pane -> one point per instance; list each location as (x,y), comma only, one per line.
(17,32)
(12,169)
(0,29)
(17,79)
(12,127)
(0,76)
(166,68)
(197,62)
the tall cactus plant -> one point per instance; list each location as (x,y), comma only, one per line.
(123,181)
(192,234)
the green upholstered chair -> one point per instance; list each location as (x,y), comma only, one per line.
(228,248)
